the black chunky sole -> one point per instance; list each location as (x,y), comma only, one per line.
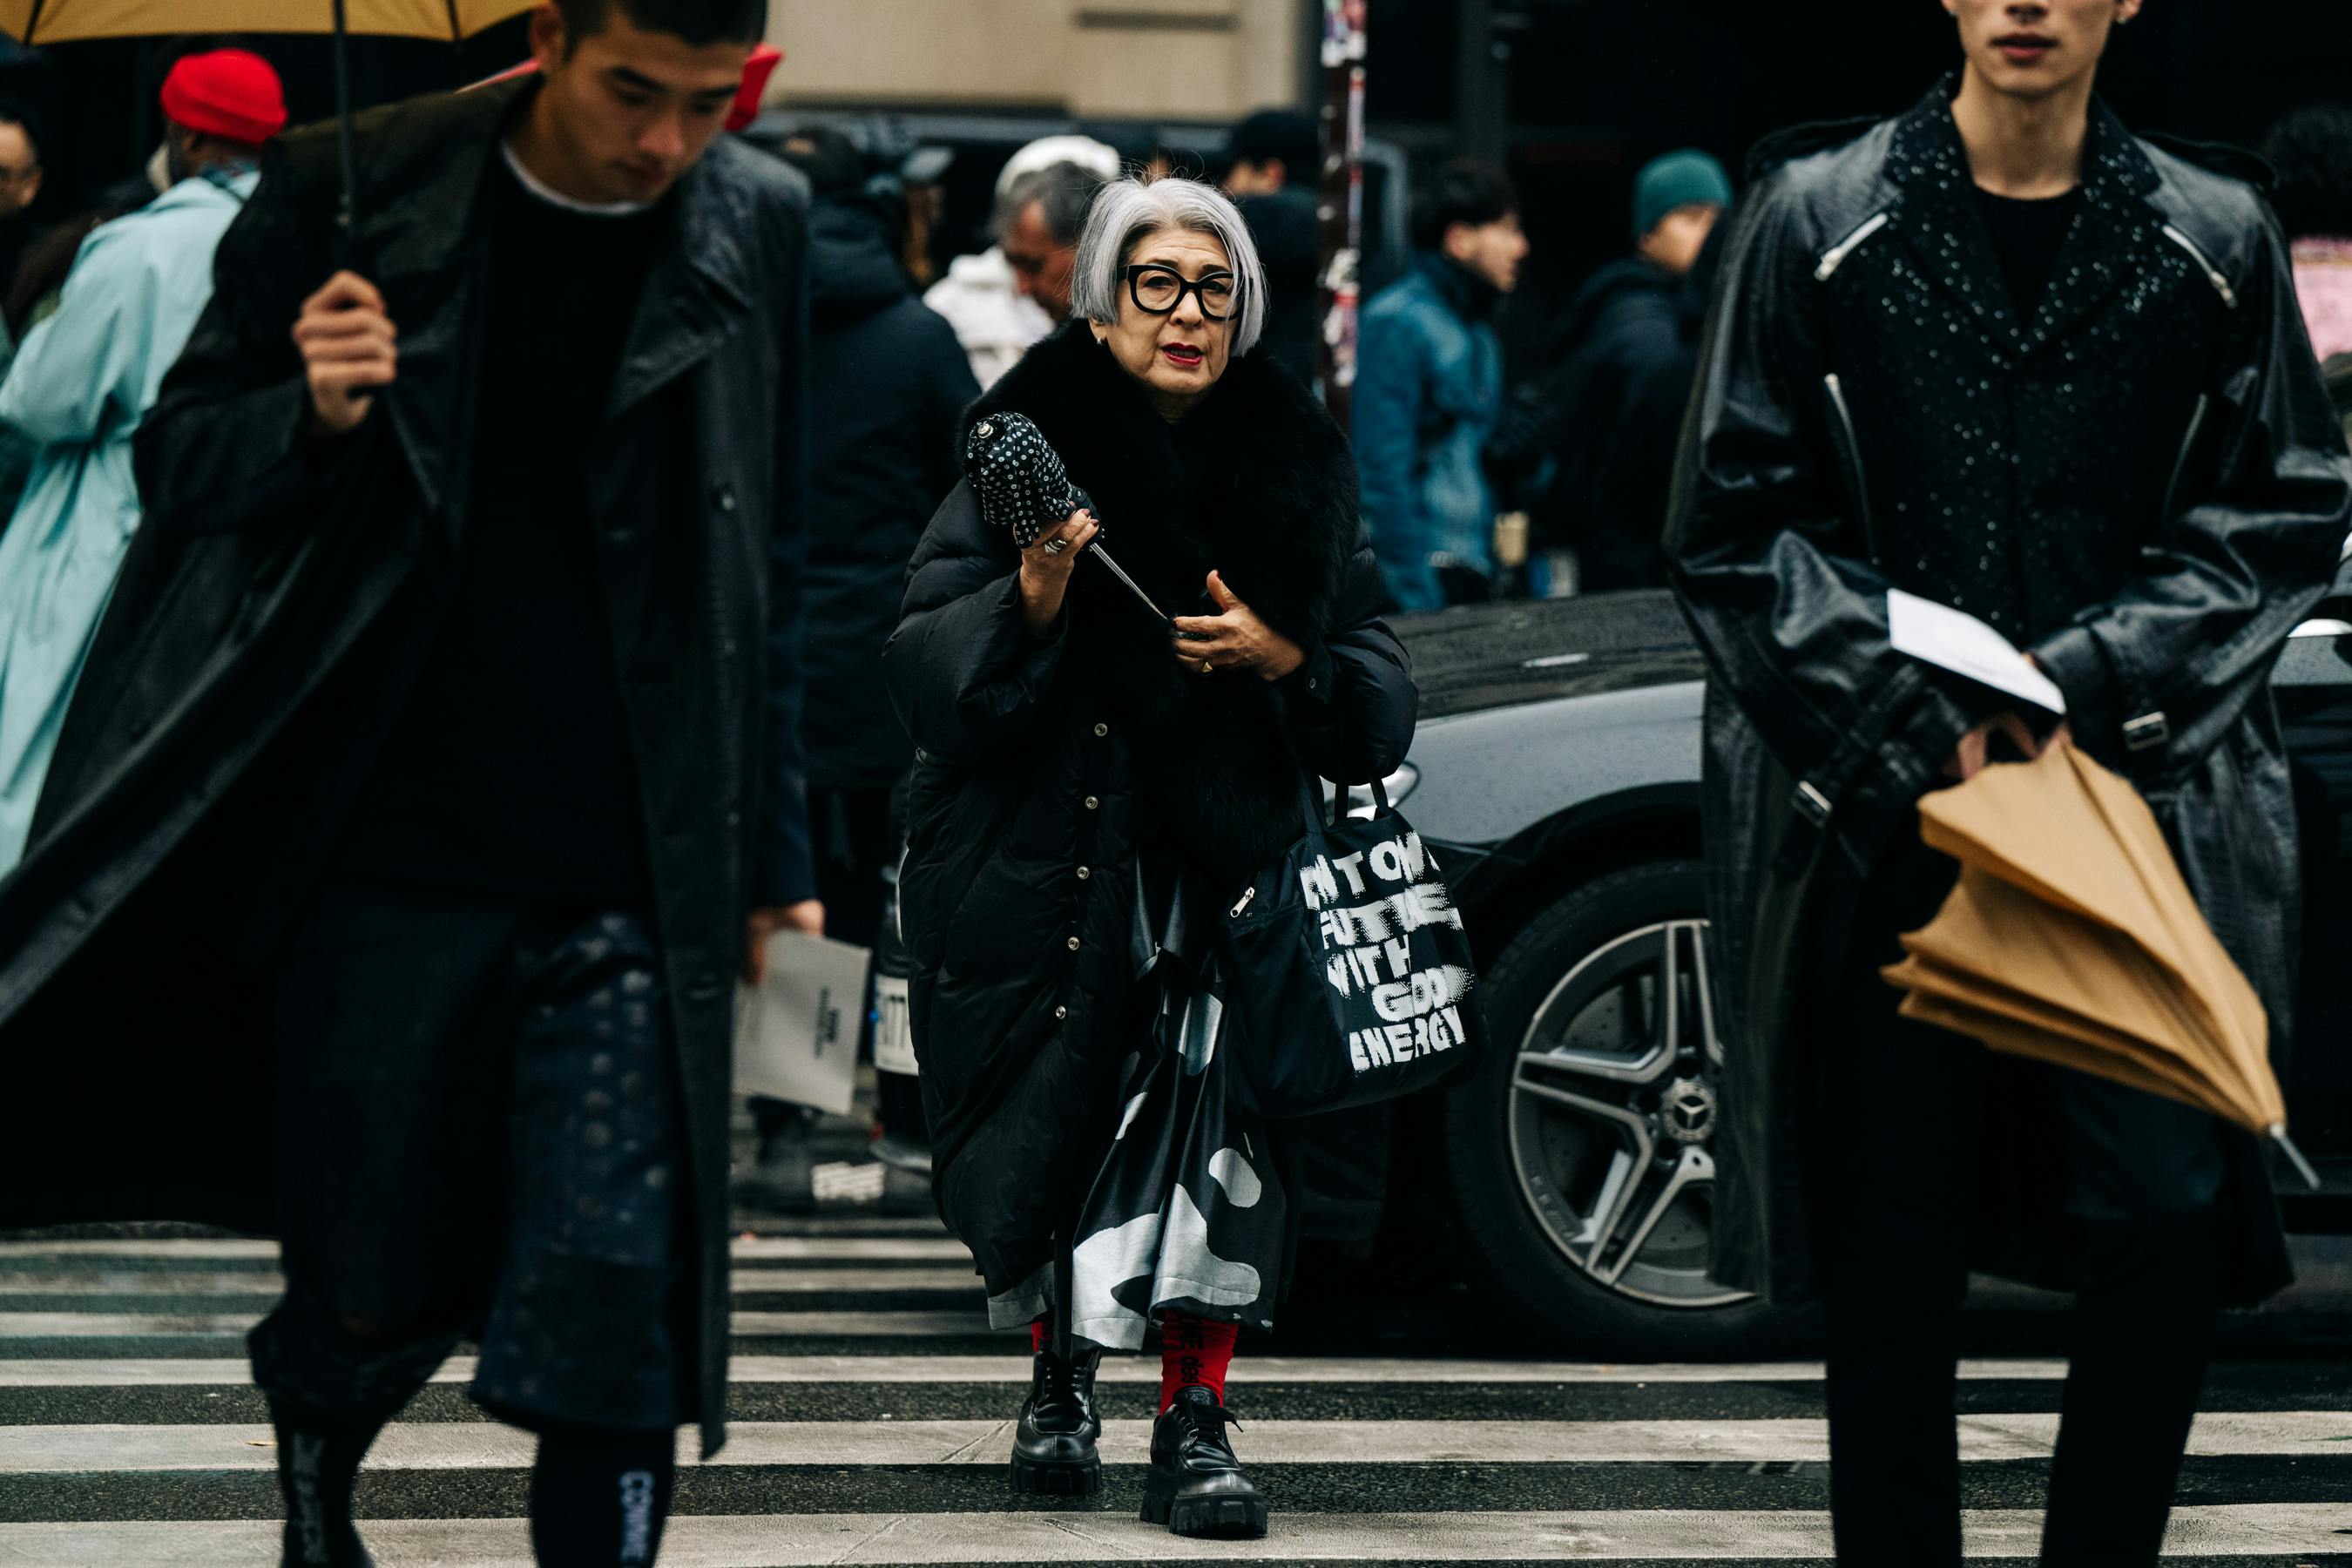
(1220,1516)
(1057,1480)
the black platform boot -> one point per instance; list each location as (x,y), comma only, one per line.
(1053,1449)
(1196,1486)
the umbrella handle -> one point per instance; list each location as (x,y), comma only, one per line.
(344,210)
(2294,1156)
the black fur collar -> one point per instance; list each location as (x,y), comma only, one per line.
(1257,483)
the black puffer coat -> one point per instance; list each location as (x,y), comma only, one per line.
(2143,486)
(1044,768)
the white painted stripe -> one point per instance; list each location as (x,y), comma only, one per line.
(755,1248)
(474,1444)
(269,1284)
(802,1540)
(170,1371)
(176,1325)
(193,1248)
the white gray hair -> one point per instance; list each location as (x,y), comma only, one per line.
(1125,210)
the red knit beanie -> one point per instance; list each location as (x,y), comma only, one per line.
(229,93)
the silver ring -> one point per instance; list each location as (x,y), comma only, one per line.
(1055,546)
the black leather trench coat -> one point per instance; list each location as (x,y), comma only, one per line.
(274,603)
(2142,485)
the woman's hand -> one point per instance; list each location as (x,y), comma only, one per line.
(1235,639)
(1045,568)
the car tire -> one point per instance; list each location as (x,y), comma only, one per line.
(1501,1151)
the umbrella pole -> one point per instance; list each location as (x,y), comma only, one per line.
(344,208)
(2295,1155)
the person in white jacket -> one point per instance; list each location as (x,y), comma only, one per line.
(983,298)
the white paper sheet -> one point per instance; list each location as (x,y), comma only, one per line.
(1957,641)
(796,1031)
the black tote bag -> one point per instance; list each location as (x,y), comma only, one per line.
(1346,974)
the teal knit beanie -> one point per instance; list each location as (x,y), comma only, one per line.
(1676,180)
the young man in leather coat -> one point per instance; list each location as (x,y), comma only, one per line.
(2003,354)
(437,769)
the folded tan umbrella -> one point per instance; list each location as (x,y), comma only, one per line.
(2071,939)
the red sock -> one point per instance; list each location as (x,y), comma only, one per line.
(1041,1335)
(1195,1351)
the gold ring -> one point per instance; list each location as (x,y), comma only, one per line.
(1207,668)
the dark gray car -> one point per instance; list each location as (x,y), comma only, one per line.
(1557,773)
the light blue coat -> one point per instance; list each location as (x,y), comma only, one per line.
(78,387)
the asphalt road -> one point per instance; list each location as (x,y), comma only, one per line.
(872,1415)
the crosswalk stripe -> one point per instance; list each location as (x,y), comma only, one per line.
(843,1248)
(475,1444)
(127,1372)
(1370,1458)
(172,1325)
(802,1540)
(269,1284)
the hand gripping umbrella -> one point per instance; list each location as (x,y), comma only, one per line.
(2071,939)
(32,22)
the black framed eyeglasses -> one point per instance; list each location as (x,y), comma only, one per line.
(1160,290)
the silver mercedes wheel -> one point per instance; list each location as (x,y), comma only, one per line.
(1613,1113)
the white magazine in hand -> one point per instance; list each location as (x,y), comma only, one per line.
(1955,640)
(796,1031)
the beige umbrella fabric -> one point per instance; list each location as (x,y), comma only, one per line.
(66,21)
(2071,939)
(32,22)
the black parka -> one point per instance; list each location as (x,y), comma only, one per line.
(275,603)
(2142,486)
(881,451)
(1044,768)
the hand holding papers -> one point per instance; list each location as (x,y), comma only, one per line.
(796,1031)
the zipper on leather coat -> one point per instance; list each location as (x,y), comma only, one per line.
(2214,274)
(1834,256)
(2181,462)
(1851,444)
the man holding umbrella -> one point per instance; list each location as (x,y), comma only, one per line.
(437,769)
(2000,352)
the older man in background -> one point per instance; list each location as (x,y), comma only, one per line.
(1009,296)
(82,382)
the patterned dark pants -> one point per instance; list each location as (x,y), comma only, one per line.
(479,1136)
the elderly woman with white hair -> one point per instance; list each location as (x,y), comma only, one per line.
(1093,785)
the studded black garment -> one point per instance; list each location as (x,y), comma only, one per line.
(2139,477)
(2004,452)
(1022,483)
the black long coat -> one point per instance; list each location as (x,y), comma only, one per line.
(2142,486)
(269,612)
(881,451)
(1043,766)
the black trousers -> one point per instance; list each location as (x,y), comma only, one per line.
(479,1136)
(1906,1108)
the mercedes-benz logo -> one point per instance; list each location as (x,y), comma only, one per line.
(1688,1111)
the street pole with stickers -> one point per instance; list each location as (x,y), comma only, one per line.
(1342,203)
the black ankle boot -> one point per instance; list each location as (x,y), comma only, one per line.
(1196,1486)
(1053,1449)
